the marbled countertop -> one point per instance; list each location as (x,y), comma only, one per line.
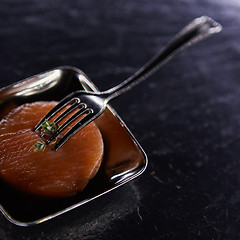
(186,116)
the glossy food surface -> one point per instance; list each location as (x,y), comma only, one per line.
(46,172)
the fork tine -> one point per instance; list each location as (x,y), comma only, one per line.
(54,111)
(68,122)
(75,104)
(77,127)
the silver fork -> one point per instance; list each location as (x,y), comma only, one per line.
(91,105)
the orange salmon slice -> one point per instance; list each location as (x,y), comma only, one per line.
(48,173)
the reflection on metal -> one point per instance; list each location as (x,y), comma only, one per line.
(117,168)
(40,84)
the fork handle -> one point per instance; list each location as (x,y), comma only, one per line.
(197,30)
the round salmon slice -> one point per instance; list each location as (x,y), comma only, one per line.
(46,172)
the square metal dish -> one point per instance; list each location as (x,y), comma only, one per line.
(124,159)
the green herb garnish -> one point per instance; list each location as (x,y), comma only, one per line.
(39,145)
(49,128)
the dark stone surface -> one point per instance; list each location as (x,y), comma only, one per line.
(186,116)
